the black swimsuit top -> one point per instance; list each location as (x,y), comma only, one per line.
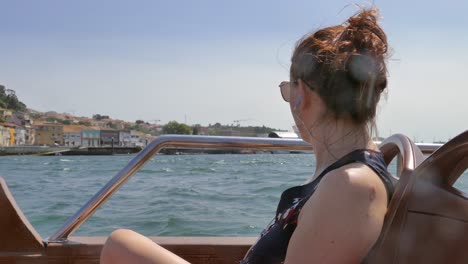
(273,242)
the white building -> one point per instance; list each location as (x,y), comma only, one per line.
(20,136)
(71,139)
(137,138)
(72,135)
(4,136)
(125,138)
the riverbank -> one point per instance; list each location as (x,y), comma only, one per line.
(31,150)
(66,151)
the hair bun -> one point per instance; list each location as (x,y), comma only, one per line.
(363,31)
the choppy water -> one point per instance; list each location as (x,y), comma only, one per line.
(185,195)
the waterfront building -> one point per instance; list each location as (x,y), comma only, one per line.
(11,131)
(203,131)
(72,135)
(137,139)
(29,135)
(8,134)
(48,134)
(149,138)
(109,137)
(24,131)
(124,138)
(20,136)
(4,136)
(90,137)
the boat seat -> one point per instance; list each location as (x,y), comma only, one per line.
(427,218)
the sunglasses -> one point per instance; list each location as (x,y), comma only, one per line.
(285,88)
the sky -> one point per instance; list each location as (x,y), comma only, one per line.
(208,61)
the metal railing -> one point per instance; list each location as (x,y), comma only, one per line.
(188,142)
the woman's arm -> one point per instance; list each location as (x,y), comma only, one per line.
(342,220)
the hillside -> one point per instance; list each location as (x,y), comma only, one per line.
(9,101)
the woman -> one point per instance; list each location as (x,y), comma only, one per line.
(337,75)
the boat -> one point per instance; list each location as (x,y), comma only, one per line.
(417,227)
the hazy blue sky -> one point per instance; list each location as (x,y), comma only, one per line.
(210,61)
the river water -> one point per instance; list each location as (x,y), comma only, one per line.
(178,195)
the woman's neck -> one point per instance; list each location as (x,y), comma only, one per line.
(334,139)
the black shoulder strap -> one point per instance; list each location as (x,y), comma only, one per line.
(345,160)
(378,166)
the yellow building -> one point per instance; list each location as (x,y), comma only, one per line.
(12,136)
(7,135)
(48,134)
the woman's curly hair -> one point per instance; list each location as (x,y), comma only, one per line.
(345,65)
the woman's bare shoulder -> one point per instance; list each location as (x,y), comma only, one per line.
(351,187)
(355,178)
(345,214)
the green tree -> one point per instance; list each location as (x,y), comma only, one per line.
(100,117)
(2,97)
(174,127)
(9,100)
(196,129)
(139,121)
(53,120)
(84,123)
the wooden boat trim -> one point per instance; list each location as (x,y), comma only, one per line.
(193,249)
(171,241)
(18,235)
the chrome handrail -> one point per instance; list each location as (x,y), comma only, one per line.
(170,141)
(180,141)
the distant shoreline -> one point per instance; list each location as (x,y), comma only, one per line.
(65,151)
(108,150)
